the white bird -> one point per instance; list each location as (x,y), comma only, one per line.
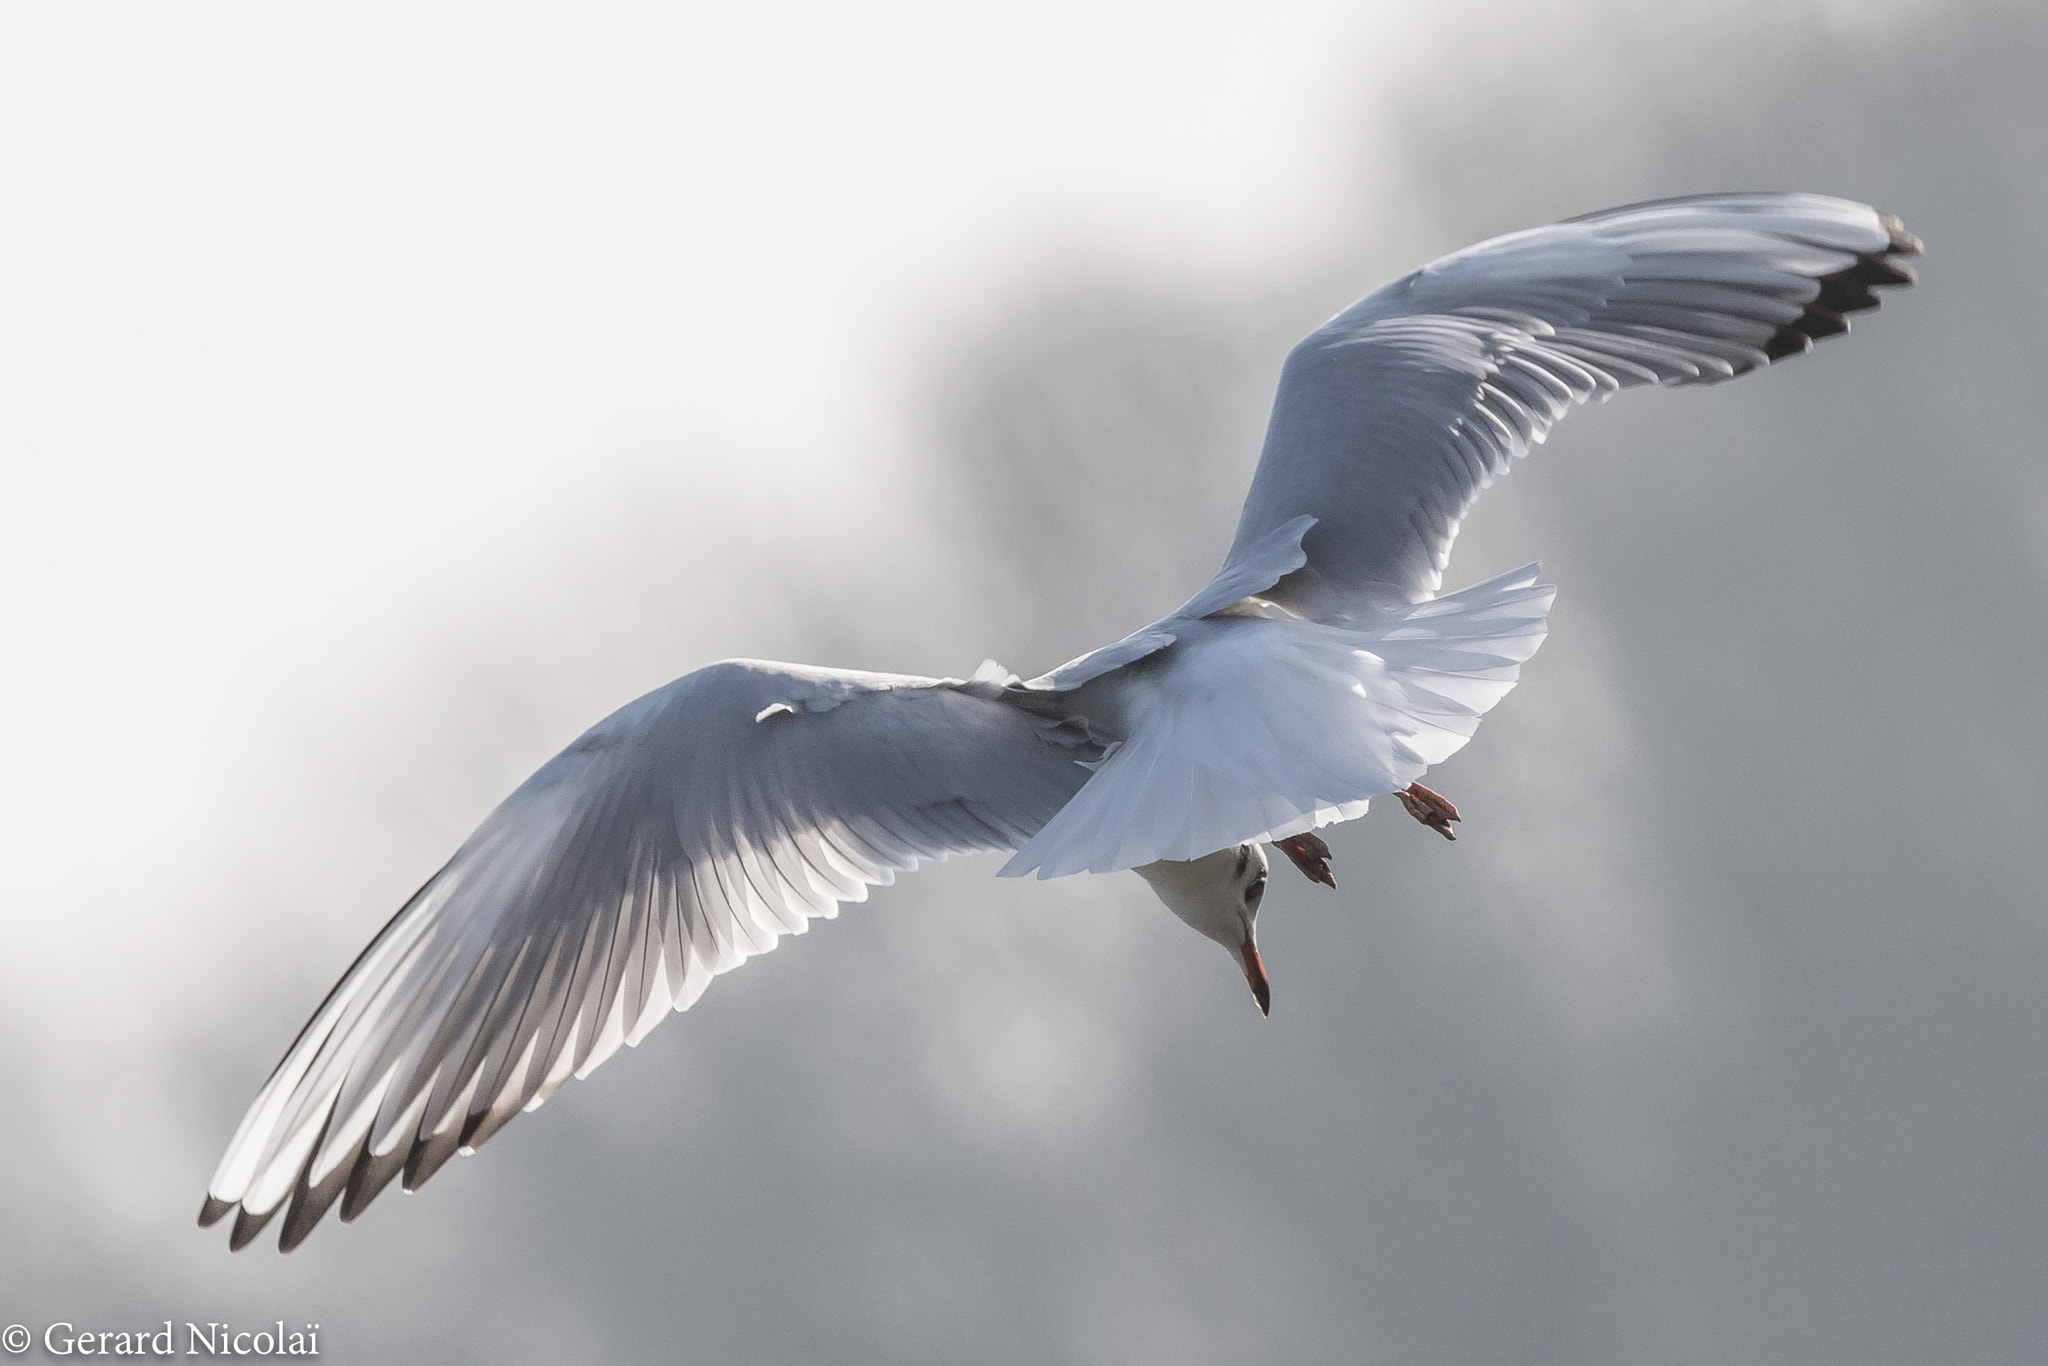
(692,828)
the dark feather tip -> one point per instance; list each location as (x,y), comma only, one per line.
(1787,341)
(1821,322)
(213,1211)
(308,1205)
(370,1175)
(1853,290)
(247,1226)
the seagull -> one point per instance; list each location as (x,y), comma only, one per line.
(1321,668)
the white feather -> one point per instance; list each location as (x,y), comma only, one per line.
(1257,726)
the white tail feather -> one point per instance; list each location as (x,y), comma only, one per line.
(1253,727)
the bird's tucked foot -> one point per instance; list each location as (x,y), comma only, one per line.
(1432,810)
(1308,853)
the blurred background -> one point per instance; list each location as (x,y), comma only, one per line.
(388,392)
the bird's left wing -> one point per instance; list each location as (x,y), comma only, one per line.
(678,837)
(1392,416)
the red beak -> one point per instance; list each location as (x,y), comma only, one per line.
(1255,974)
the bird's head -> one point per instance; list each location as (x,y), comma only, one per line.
(1218,894)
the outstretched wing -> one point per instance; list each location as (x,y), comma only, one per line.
(683,834)
(1392,416)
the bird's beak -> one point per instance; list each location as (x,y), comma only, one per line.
(1255,974)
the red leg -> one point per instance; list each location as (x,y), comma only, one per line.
(1433,811)
(1308,853)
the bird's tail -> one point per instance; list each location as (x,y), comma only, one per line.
(1256,728)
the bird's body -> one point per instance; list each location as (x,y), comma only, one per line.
(1318,670)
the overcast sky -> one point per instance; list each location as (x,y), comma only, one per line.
(388,394)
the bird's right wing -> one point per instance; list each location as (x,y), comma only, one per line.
(676,838)
(1392,416)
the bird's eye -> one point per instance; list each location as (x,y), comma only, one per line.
(1257,890)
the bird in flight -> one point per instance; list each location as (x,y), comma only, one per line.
(1321,668)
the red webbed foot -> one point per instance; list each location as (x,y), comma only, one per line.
(1308,853)
(1432,810)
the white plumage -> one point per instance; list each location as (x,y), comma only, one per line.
(1259,724)
(694,827)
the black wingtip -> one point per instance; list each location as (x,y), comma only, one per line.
(428,1156)
(1851,290)
(1821,323)
(1787,341)
(247,1226)
(213,1211)
(309,1204)
(368,1178)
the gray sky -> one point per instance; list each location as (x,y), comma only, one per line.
(391,396)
